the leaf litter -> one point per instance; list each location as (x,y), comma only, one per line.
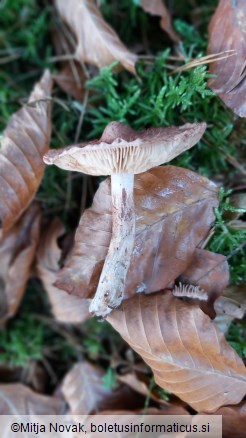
(181,345)
(65,308)
(85,393)
(105,47)
(157,7)
(227,33)
(24,142)
(173,335)
(17,253)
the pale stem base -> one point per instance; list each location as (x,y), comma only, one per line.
(111,286)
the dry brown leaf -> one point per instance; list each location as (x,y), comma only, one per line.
(24,142)
(157,7)
(227,32)
(238,295)
(139,386)
(237,200)
(84,391)
(233,420)
(98,43)
(34,376)
(232,305)
(71,76)
(65,308)
(134,382)
(17,251)
(19,399)
(68,83)
(188,355)
(174,211)
(210,271)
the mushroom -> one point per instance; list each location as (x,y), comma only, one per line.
(122,152)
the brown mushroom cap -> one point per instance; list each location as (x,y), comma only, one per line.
(123,150)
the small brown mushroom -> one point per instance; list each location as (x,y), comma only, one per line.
(122,152)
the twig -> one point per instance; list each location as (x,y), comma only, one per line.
(205,60)
(9,58)
(49,370)
(59,58)
(232,160)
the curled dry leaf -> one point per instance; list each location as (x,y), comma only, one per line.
(227,33)
(174,211)
(157,7)
(227,306)
(238,295)
(84,391)
(186,352)
(65,308)
(17,251)
(19,399)
(24,142)
(210,271)
(98,43)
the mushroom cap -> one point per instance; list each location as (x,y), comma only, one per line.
(123,150)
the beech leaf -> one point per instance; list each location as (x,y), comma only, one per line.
(211,272)
(174,211)
(84,391)
(73,86)
(19,399)
(227,34)
(189,356)
(65,308)
(157,7)
(17,251)
(234,420)
(98,43)
(141,387)
(24,142)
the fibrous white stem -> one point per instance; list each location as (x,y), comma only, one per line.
(111,285)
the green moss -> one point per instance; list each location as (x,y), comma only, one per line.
(236,337)
(229,241)
(21,342)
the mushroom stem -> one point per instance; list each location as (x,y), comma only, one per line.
(110,291)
